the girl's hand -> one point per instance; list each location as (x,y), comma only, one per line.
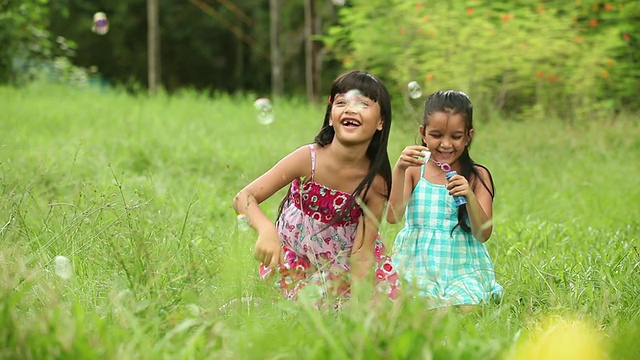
(459,186)
(412,155)
(268,249)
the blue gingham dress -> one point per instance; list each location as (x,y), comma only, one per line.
(450,268)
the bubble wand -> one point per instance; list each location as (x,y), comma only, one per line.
(448,174)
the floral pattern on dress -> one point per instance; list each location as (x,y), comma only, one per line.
(297,271)
(317,239)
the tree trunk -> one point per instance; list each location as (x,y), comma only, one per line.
(153,45)
(277,78)
(239,68)
(317,55)
(311,68)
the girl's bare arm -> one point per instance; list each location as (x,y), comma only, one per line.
(294,165)
(405,176)
(480,207)
(362,253)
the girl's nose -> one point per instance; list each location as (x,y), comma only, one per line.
(353,107)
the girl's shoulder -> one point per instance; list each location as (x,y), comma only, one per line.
(482,171)
(414,173)
(303,153)
(486,180)
(298,162)
(379,185)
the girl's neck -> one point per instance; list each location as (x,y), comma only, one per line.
(437,166)
(348,155)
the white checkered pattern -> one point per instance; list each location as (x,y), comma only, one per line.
(452,268)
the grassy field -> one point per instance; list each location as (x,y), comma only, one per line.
(136,193)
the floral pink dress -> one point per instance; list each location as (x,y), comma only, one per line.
(317,245)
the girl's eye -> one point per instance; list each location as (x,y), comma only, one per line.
(339,102)
(457,137)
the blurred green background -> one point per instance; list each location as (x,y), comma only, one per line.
(135,190)
(521,59)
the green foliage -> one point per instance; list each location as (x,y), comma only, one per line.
(614,26)
(137,192)
(204,45)
(524,59)
(29,51)
(24,36)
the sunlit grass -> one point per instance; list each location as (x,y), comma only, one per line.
(137,193)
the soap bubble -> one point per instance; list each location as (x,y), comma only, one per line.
(311,294)
(265,111)
(63,267)
(352,95)
(243,222)
(100,23)
(414,90)
(426,155)
(354,101)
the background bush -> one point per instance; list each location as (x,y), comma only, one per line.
(521,58)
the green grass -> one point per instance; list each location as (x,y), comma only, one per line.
(137,193)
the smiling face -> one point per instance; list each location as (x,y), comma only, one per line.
(355,117)
(446,136)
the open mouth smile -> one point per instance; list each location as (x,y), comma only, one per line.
(349,122)
(446,154)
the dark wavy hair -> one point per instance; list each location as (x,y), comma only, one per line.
(373,88)
(458,103)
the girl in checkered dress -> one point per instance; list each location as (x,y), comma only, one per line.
(440,251)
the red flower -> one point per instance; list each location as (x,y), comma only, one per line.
(608,7)
(540,74)
(552,79)
(470,11)
(507,17)
(418,6)
(403,31)
(593,22)
(626,37)
(579,39)
(426,18)
(605,74)
(387,267)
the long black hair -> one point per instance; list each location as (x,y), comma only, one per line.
(458,103)
(373,88)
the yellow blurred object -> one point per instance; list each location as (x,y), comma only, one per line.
(562,339)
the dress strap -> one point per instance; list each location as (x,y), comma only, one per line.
(422,171)
(312,147)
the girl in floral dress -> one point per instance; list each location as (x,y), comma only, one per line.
(327,228)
